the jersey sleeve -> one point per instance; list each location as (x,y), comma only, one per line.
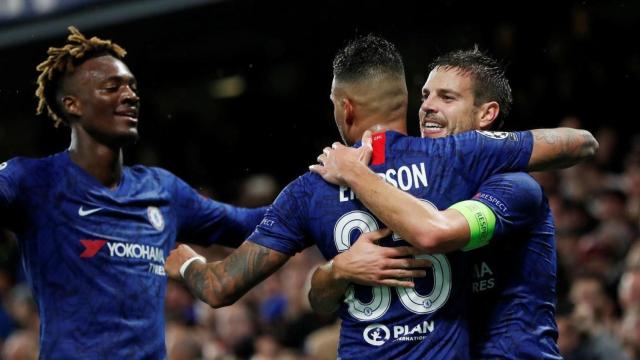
(484,153)
(205,222)
(11,173)
(514,198)
(284,228)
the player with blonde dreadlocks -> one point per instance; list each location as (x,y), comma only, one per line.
(63,60)
(93,233)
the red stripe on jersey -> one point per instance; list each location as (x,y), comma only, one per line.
(91,247)
(378,142)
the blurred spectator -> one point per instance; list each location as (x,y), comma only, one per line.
(21,345)
(630,332)
(258,190)
(594,310)
(577,342)
(629,289)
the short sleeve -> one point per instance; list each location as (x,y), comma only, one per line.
(11,173)
(284,228)
(484,153)
(205,222)
(515,198)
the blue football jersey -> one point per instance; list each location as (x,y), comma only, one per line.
(514,277)
(94,257)
(430,320)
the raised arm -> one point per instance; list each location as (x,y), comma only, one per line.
(561,148)
(222,283)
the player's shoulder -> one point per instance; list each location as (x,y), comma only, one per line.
(518,184)
(41,165)
(517,178)
(520,180)
(303,188)
(305,183)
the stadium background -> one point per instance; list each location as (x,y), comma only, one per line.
(237,90)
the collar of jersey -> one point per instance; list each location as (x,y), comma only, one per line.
(82,175)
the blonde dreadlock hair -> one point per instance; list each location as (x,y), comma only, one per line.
(63,61)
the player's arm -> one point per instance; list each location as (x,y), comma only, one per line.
(415,221)
(365,263)
(11,174)
(560,148)
(205,221)
(280,235)
(222,283)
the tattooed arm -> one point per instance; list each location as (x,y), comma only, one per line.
(222,283)
(327,289)
(560,148)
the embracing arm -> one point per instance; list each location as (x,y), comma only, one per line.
(365,263)
(222,283)
(417,222)
(560,148)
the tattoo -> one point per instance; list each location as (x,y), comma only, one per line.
(563,147)
(196,280)
(546,136)
(222,283)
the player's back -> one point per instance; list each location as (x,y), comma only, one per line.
(388,323)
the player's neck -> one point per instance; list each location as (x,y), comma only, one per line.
(99,160)
(399,125)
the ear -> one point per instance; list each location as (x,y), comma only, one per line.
(71,105)
(349,111)
(488,114)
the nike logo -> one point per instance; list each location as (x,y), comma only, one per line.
(83,212)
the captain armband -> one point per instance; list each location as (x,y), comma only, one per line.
(481,220)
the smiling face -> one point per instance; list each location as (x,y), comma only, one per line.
(102,99)
(448,104)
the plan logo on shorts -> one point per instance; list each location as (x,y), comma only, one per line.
(376,334)
(498,135)
(155,218)
(4,165)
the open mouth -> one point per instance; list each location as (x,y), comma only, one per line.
(131,114)
(430,128)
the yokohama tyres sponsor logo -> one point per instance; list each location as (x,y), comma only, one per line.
(125,250)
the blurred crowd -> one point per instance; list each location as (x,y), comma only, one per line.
(596,207)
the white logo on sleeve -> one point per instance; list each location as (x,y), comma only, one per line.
(376,334)
(83,212)
(498,135)
(155,217)
(4,165)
